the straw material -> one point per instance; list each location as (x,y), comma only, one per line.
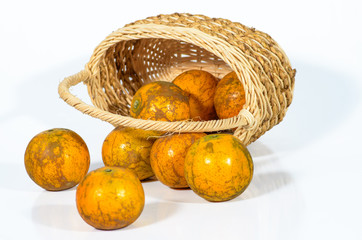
(160,48)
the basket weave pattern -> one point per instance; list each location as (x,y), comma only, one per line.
(160,48)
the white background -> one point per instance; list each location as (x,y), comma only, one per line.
(308,170)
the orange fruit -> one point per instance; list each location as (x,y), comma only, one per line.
(129,148)
(168,157)
(110,198)
(161,101)
(200,85)
(229,96)
(57,159)
(218,167)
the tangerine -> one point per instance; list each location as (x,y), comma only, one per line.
(129,148)
(229,96)
(168,157)
(57,159)
(201,86)
(110,198)
(218,167)
(160,101)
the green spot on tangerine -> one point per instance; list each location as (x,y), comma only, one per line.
(212,136)
(136,104)
(210,147)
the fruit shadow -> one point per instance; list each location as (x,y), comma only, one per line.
(66,216)
(264,183)
(57,210)
(267,175)
(153,213)
(60,216)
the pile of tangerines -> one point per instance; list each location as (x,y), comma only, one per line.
(217,167)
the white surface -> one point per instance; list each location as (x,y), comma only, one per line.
(308,170)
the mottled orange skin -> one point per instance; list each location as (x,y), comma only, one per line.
(129,148)
(168,157)
(201,86)
(57,159)
(160,101)
(229,96)
(110,198)
(218,167)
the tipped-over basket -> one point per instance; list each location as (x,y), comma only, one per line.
(160,48)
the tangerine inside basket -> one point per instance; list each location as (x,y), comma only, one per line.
(130,64)
(160,48)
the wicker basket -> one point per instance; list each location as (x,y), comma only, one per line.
(159,48)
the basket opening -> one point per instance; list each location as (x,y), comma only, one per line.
(130,64)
